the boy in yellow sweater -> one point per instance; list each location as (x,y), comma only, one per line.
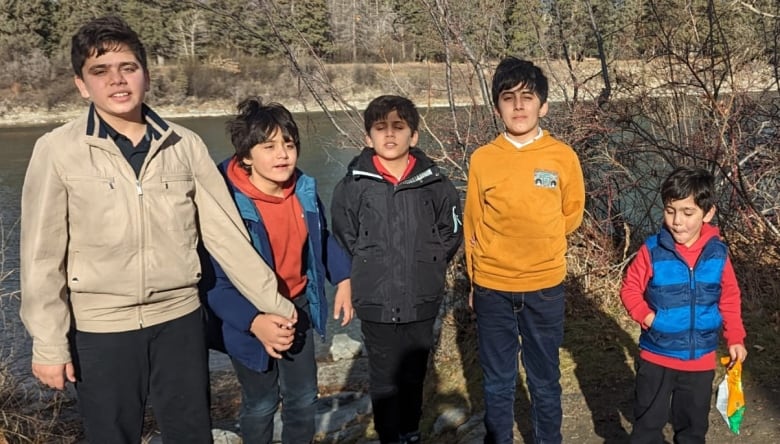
(525,194)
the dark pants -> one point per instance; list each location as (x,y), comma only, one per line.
(398,360)
(536,317)
(690,394)
(165,363)
(291,380)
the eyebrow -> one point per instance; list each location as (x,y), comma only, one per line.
(108,65)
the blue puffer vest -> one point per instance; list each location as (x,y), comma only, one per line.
(685,300)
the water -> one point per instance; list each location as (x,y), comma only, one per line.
(319,158)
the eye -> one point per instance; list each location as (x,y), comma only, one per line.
(290,146)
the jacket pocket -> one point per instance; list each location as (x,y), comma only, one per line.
(429,274)
(367,277)
(178,194)
(93,211)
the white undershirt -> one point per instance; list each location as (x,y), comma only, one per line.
(519,145)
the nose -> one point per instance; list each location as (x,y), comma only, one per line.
(518,102)
(116,77)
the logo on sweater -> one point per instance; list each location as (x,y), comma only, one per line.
(545,179)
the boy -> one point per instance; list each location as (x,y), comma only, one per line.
(114,204)
(280,207)
(398,216)
(525,195)
(681,288)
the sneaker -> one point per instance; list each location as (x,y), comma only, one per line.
(411,438)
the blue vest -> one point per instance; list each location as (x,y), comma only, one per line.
(685,300)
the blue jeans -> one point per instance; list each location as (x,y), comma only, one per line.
(291,380)
(536,317)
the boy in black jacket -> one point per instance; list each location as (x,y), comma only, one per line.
(400,219)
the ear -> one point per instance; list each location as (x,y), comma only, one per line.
(369,142)
(81,86)
(148,81)
(709,215)
(543,110)
(415,138)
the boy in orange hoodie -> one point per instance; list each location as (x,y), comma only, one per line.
(525,195)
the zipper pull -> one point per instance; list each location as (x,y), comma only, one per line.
(138,188)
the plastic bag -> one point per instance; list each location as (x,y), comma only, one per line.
(731,399)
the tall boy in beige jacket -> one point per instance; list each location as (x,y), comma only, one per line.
(114,205)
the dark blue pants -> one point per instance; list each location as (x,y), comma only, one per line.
(291,380)
(536,317)
(397,361)
(166,363)
(660,390)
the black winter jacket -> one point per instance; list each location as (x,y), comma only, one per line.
(401,237)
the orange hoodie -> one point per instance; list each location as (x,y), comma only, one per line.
(520,205)
(284,221)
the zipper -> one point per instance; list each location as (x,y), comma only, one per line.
(142,246)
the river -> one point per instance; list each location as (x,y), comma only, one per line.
(320,157)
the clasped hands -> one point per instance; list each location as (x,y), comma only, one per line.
(277,333)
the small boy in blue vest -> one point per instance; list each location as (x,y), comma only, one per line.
(681,289)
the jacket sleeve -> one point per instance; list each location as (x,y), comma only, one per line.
(632,291)
(573,205)
(227,240)
(228,303)
(730,306)
(338,263)
(43,249)
(450,219)
(344,216)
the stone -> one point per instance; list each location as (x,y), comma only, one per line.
(344,347)
(451,419)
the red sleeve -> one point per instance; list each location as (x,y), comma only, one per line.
(731,306)
(632,292)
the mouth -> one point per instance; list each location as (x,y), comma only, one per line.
(120,95)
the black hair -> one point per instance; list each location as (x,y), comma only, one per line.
(512,71)
(684,182)
(102,35)
(257,122)
(382,106)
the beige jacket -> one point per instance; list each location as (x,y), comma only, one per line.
(118,252)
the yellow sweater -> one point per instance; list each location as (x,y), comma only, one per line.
(520,205)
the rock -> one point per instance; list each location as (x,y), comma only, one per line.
(344,347)
(472,431)
(451,419)
(219,436)
(225,437)
(334,412)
